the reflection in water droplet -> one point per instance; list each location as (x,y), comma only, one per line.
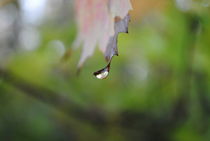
(103,73)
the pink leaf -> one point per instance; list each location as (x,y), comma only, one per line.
(97,26)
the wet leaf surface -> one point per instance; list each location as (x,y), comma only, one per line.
(121,26)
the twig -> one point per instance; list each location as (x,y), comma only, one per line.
(58,101)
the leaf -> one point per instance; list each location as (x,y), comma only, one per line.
(120,27)
(97,25)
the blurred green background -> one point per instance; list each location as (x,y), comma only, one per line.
(157,90)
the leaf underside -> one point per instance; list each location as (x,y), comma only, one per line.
(121,26)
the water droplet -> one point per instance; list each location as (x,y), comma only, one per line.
(103,73)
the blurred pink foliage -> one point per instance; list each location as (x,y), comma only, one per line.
(96,21)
